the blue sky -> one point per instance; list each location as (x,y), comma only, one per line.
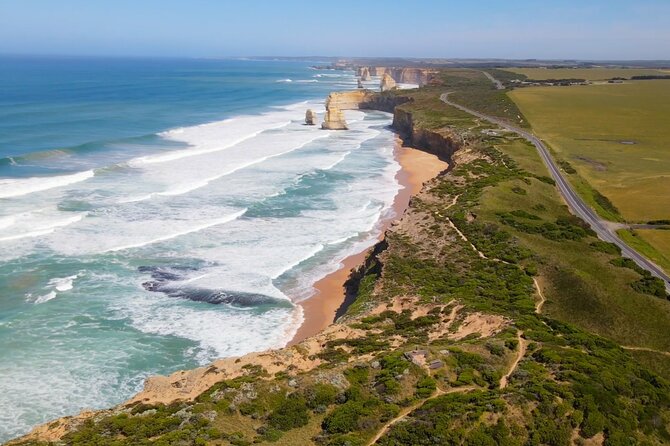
(585,29)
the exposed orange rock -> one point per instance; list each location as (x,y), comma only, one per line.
(334,119)
(387,83)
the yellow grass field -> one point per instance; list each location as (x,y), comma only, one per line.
(660,240)
(591,74)
(616,136)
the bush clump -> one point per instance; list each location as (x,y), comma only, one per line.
(291,413)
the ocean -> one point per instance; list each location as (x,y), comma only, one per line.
(156,214)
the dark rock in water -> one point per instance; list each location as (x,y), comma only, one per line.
(167,281)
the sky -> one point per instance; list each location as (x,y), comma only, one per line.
(511,29)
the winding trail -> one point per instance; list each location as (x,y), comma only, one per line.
(645,349)
(403,413)
(496,82)
(523,344)
(464,238)
(521,352)
(574,201)
(538,305)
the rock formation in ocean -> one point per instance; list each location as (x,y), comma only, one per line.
(334,119)
(387,83)
(310,117)
(365,74)
(360,84)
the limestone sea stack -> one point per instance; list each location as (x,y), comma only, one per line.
(365,74)
(310,117)
(334,119)
(360,84)
(387,83)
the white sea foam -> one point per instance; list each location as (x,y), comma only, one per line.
(193,183)
(284,80)
(57,284)
(6,222)
(40,230)
(220,331)
(191,230)
(17,187)
(63,283)
(342,158)
(233,139)
(310,253)
(46,297)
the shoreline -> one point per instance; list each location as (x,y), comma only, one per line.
(319,310)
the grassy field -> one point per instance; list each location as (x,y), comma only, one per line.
(592,74)
(653,243)
(615,136)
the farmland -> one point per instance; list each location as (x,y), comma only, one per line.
(612,139)
(591,74)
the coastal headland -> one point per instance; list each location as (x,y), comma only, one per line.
(487,311)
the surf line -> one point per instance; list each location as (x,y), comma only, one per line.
(217,222)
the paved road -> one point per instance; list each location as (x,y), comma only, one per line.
(573,200)
(496,82)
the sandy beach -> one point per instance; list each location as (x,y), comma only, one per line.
(417,167)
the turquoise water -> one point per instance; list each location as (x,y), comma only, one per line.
(158,214)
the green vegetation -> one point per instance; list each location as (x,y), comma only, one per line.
(469,87)
(592,74)
(474,90)
(652,243)
(505,76)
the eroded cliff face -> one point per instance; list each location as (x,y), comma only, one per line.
(348,100)
(419,76)
(387,83)
(365,100)
(441,142)
(384,102)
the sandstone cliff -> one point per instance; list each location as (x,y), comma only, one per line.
(365,100)
(441,142)
(419,76)
(387,83)
(348,100)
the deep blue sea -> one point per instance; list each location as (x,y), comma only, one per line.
(158,214)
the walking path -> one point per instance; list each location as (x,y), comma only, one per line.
(403,413)
(523,344)
(645,349)
(538,305)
